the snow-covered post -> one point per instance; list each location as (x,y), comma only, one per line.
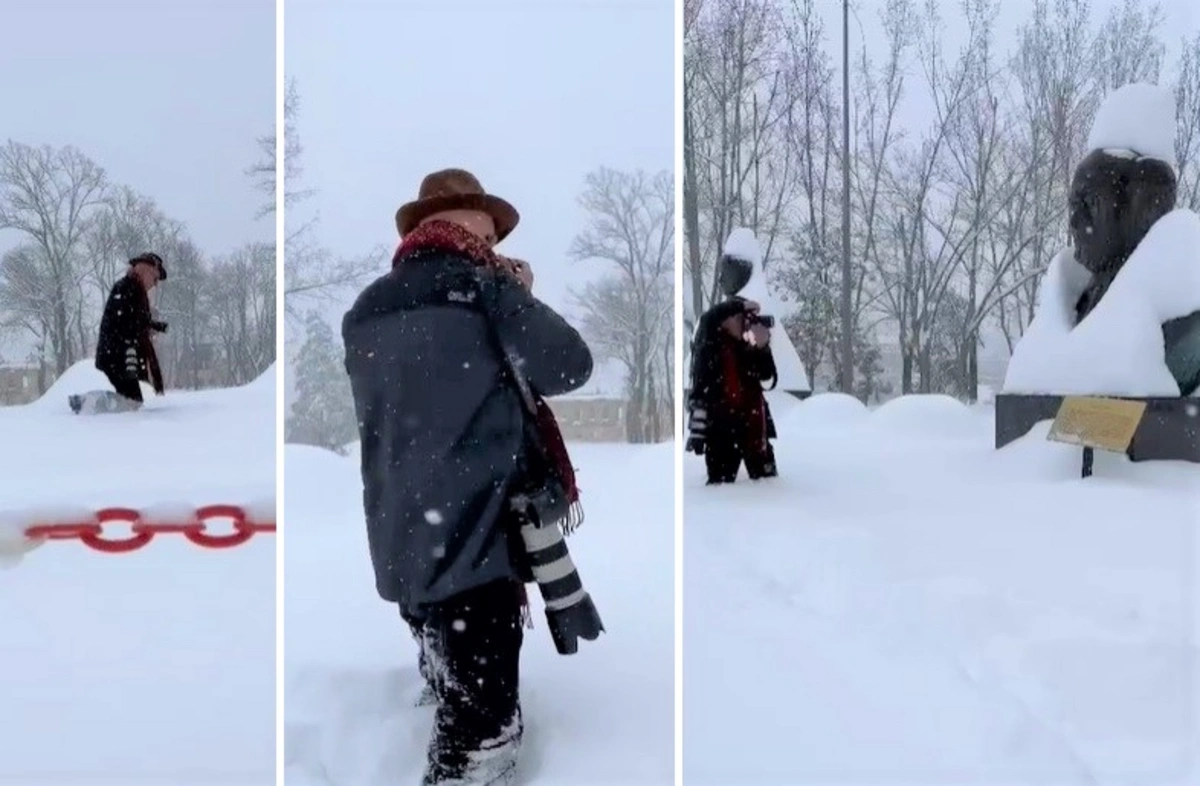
(14,544)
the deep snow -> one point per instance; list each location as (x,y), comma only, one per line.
(602,716)
(154,666)
(907,606)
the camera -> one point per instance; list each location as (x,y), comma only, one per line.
(766,320)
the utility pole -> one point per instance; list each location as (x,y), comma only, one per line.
(847,316)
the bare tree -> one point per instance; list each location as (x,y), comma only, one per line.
(185,351)
(50,196)
(310,271)
(737,107)
(27,300)
(1128,47)
(1187,110)
(240,301)
(631,226)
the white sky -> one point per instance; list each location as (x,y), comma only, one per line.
(168,97)
(530,95)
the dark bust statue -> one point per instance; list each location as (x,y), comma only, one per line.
(1115,200)
(733,274)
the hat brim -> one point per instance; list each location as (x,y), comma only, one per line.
(162,270)
(502,212)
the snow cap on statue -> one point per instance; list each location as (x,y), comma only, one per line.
(740,258)
(1136,121)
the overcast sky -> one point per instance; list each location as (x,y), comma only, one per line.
(530,95)
(168,97)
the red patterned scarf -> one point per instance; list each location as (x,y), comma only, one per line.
(447,236)
(744,402)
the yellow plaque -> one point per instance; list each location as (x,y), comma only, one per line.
(1101,423)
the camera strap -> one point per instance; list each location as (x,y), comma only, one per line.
(554,503)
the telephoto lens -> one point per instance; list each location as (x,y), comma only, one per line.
(570,612)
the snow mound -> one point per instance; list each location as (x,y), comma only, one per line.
(1138,118)
(742,244)
(79,378)
(925,415)
(322,503)
(1117,349)
(822,410)
(266,381)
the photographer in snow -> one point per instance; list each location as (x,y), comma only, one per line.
(125,348)
(730,422)
(468,487)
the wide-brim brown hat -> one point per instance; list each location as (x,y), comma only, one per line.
(152,259)
(455,189)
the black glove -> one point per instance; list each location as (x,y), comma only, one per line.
(158,327)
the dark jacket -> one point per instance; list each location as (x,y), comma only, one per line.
(441,424)
(123,327)
(756,365)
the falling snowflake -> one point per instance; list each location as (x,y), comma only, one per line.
(459,625)
(433,516)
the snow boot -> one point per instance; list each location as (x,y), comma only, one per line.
(493,764)
(429,691)
(428,697)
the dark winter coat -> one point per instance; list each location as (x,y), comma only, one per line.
(756,365)
(125,328)
(441,424)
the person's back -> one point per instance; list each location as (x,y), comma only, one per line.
(431,349)
(442,430)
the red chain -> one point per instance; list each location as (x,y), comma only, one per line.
(91,533)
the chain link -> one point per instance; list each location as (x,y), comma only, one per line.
(91,533)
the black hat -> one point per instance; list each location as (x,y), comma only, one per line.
(150,258)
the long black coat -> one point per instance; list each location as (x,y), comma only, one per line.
(123,326)
(440,422)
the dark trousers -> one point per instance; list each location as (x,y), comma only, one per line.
(470,656)
(726,449)
(126,386)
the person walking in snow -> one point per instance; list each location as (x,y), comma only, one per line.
(125,347)
(731,361)
(445,451)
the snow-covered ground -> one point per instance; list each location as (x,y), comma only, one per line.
(156,666)
(602,716)
(907,606)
